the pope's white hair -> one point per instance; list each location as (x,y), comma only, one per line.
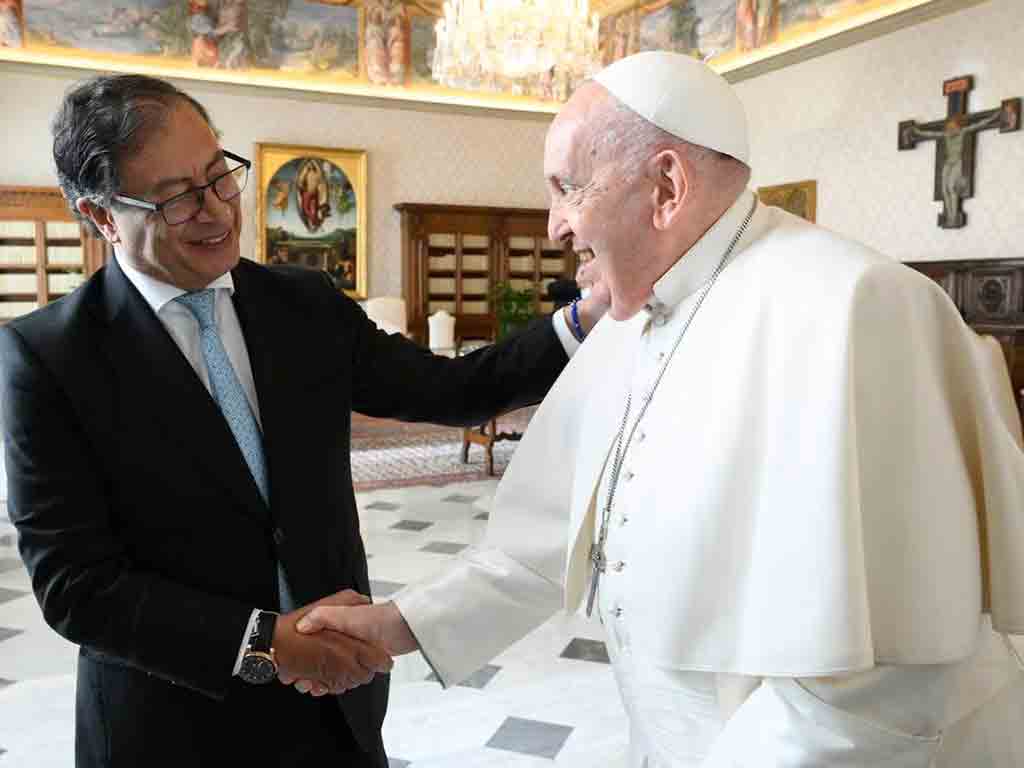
(623,136)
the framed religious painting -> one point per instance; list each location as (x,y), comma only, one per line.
(799,198)
(311,211)
(11,34)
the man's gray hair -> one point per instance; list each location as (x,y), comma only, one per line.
(100,121)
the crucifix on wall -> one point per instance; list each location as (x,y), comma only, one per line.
(955,137)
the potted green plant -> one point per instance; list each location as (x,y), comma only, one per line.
(513,307)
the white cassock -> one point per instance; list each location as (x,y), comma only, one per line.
(818,522)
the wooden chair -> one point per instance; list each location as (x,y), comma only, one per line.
(486,434)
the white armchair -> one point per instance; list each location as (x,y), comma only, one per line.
(388,313)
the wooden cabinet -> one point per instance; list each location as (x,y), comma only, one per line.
(44,252)
(452,257)
(990,296)
(530,260)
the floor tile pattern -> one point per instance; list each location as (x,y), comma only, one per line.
(384,588)
(385,506)
(459,498)
(530,737)
(444,547)
(534,705)
(411,525)
(582,649)
(478,679)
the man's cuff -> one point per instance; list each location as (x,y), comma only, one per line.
(565,336)
(253,618)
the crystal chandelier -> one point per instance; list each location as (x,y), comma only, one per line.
(543,48)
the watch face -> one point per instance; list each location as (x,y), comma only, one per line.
(257,668)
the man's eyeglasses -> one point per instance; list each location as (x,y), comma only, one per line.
(186,206)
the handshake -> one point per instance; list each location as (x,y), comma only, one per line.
(339,643)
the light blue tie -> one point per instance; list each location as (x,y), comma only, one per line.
(226,389)
(228,393)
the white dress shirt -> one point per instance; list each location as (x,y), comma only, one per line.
(565,336)
(184,328)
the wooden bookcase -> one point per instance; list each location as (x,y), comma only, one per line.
(452,257)
(530,260)
(44,252)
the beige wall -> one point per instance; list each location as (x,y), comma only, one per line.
(413,156)
(832,119)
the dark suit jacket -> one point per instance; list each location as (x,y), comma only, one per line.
(145,536)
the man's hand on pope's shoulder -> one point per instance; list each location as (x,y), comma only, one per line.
(331,662)
(379,626)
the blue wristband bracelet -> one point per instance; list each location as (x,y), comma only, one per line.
(577,329)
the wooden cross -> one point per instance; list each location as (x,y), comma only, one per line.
(954,139)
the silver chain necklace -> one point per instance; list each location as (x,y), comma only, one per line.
(623,441)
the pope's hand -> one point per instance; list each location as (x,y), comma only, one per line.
(379,626)
(330,662)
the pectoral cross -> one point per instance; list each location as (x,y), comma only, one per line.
(955,139)
(600,563)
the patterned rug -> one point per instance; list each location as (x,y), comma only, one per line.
(393,454)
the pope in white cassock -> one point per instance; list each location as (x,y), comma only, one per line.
(791,473)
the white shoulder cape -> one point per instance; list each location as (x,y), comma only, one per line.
(834,469)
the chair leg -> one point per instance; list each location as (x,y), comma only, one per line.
(490,448)
(465,446)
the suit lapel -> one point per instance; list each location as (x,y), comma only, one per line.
(261,328)
(149,364)
(287,372)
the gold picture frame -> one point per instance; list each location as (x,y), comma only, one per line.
(311,211)
(799,198)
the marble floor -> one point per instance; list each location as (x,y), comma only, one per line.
(548,700)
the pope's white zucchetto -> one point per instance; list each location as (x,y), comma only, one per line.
(683,96)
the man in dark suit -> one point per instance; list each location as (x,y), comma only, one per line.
(563,291)
(173,475)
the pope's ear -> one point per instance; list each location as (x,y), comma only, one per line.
(101,217)
(672,181)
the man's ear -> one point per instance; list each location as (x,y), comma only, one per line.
(101,217)
(672,183)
